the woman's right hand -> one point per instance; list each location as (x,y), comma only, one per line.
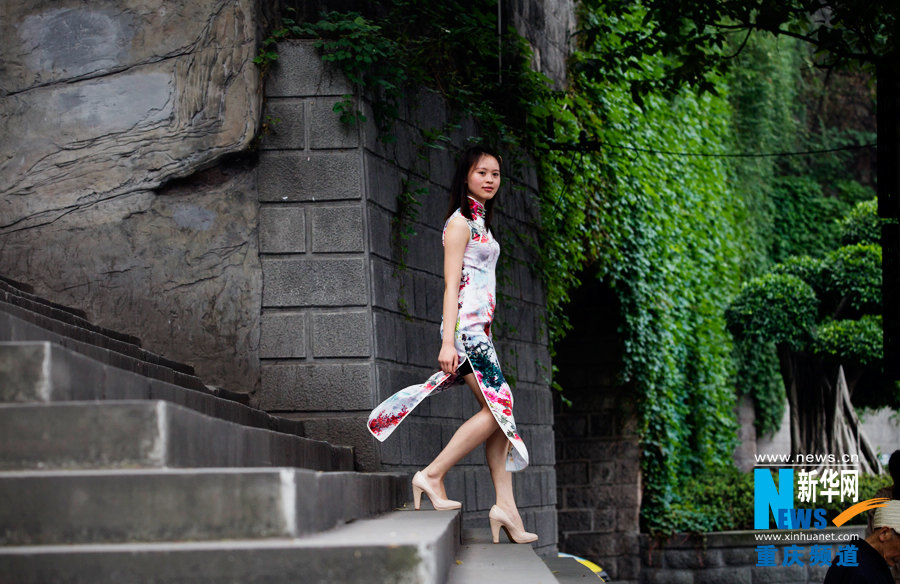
(448,358)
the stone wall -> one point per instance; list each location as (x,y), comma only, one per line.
(548,25)
(349,317)
(101,108)
(598,457)
(730,558)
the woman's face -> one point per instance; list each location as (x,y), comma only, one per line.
(484,179)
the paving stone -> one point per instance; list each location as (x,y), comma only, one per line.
(723,576)
(480,560)
(321,387)
(399,547)
(342,334)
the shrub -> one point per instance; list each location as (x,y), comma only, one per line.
(806,268)
(862,224)
(777,307)
(858,341)
(854,271)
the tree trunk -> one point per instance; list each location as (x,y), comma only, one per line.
(823,420)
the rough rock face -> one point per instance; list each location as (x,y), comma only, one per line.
(548,25)
(101,103)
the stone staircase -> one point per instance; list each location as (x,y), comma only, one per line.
(124,490)
(119,466)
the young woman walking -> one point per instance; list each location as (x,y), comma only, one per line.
(467,352)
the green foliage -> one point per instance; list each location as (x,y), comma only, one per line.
(759,376)
(862,224)
(805,219)
(697,35)
(764,86)
(853,274)
(807,268)
(829,306)
(780,308)
(664,232)
(852,341)
(371,60)
(718,499)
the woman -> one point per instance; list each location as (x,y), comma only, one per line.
(467,352)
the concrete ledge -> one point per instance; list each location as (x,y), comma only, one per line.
(730,557)
(404,547)
(480,560)
(41,372)
(126,434)
(119,506)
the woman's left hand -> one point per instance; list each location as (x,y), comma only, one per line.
(448,358)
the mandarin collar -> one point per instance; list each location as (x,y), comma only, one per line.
(477,208)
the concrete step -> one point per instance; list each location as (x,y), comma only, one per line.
(22,296)
(154,505)
(42,372)
(148,433)
(408,547)
(480,560)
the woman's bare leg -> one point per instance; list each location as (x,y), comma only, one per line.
(473,432)
(496,448)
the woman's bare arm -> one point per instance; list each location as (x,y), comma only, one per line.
(456,237)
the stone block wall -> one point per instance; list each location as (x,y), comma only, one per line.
(598,456)
(730,558)
(349,316)
(316,336)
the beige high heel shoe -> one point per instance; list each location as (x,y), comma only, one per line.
(419,485)
(499,519)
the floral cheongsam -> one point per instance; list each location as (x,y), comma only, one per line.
(477,297)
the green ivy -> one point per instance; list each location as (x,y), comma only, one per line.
(862,224)
(805,220)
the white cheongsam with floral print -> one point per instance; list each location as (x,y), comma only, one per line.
(477,299)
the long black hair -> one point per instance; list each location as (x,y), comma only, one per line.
(459,190)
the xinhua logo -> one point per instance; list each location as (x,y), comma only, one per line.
(777,501)
(771,501)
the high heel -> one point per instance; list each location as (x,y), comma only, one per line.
(500,519)
(420,485)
